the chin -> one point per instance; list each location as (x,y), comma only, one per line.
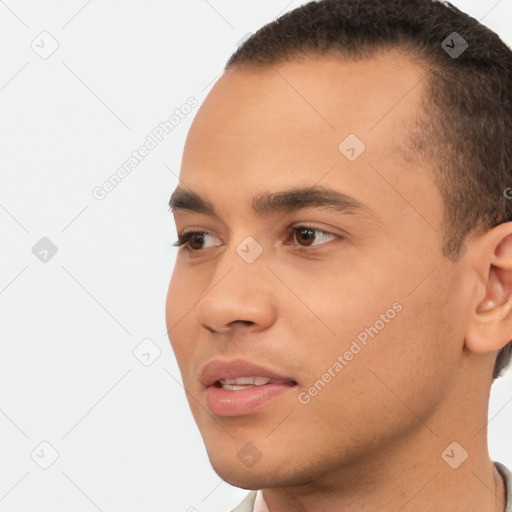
(243,480)
(251,475)
(262,475)
(240,476)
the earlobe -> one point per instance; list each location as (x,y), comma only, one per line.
(490,323)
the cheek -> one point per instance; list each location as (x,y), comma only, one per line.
(415,354)
(172,304)
(397,368)
(179,313)
(391,321)
(344,297)
(185,288)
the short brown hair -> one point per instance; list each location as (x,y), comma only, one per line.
(465,127)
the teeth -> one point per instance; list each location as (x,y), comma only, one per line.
(233,387)
(243,382)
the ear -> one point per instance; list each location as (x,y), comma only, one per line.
(490,322)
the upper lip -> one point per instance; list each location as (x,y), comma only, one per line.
(218,369)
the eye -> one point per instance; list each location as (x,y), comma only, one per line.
(306,236)
(309,235)
(192,239)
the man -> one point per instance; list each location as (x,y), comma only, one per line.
(341,300)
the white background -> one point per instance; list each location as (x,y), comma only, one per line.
(125,437)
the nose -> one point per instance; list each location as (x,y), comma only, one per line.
(239,296)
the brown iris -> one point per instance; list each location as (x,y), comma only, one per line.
(305,234)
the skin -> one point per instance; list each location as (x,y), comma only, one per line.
(372,439)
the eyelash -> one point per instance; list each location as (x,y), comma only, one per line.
(184,238)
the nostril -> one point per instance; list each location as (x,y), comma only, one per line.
(245,322)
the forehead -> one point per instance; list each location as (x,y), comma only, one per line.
(301,108)
(266,129)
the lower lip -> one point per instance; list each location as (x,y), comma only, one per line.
(225,402)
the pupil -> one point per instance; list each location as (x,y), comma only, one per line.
(196,238)
(305,233)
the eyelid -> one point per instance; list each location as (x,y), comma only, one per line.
(184,237)
(336,232)
(296,228)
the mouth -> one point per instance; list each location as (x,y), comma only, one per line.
(237,387)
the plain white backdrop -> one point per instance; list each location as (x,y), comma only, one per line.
(92,412)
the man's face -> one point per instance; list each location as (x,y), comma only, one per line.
(367,288)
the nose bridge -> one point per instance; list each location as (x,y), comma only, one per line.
(245,258)
(240,289)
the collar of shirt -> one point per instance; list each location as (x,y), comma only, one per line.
(259,503)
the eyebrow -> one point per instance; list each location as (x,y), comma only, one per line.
(269,203)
